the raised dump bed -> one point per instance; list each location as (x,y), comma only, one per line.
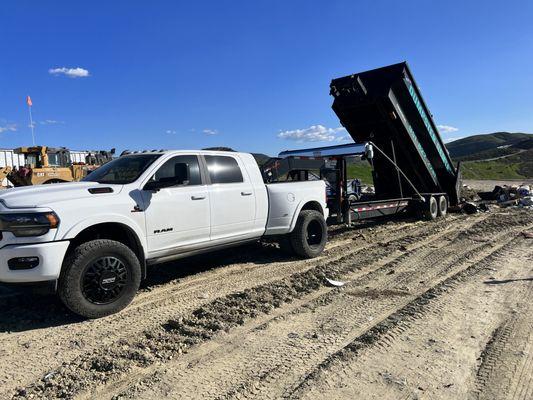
(384,106)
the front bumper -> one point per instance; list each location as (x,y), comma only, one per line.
(50,256)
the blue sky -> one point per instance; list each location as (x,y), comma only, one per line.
(252,75)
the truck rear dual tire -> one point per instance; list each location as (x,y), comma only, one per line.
(309,236)
(99,278)
(431,209)
(434,207)
(443,206)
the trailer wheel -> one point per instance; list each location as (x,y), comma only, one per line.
(99,278)
(431,209)
(443,206)
(310,234)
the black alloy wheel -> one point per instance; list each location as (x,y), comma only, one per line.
(99,278)
(314,233)
(310,234)
(104,280)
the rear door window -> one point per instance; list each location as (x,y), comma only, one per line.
(223,169)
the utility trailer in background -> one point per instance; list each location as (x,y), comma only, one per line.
(384,108)
(335,160)
(385,114)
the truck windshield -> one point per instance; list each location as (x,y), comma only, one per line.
(122,170)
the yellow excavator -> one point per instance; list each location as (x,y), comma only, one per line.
(4,173)
(44,165)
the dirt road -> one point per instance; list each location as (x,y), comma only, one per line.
(439,310)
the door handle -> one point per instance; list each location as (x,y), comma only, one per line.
(197,197)
(246,193)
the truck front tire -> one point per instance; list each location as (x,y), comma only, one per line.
(99,278)
(310,234)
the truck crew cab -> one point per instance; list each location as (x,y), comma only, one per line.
(95,238)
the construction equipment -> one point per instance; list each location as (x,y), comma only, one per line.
(4,173)
(44,165)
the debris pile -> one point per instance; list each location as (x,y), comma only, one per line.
(518,196)
(468,194)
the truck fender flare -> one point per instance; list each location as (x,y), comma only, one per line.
(76,229)
(299,208)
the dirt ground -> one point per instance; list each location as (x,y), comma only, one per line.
(429,310)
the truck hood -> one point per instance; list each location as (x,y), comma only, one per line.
(47,195)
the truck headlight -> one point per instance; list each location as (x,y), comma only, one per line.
(28,224)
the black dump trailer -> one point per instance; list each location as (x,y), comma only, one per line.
(384,107)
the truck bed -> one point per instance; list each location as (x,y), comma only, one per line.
(286,199)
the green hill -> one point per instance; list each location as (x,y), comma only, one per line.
(482,144)
(518,166)
(499,155)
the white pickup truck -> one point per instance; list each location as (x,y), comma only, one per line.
(95,238)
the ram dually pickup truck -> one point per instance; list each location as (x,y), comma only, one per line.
(94,239)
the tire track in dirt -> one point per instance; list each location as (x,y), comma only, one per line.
(506,367)
(274,354)
(154,306)
(381,337)
(433,356)
(378,248)
(272,372)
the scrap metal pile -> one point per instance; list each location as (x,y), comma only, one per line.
(517,196)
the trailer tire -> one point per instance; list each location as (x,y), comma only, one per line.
(310,234)
(443,206)
(431,209)
(99,278)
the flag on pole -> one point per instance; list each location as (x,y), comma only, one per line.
(29,103)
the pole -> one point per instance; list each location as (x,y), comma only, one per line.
(31,124)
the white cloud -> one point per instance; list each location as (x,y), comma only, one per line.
(346,138)
(447,128)
(51,122)
(70,72)
(170,131)
(210,131)
(8,128)
(315,133)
